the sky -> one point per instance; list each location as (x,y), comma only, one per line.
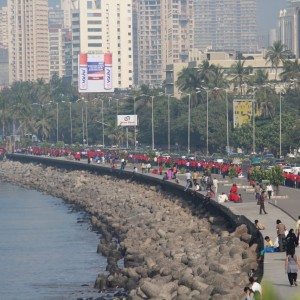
(267,12)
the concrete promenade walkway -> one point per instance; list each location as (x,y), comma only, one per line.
(274,271)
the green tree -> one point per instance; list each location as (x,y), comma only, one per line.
(276,54)
(239,74)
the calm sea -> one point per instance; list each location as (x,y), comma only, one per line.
(46,251)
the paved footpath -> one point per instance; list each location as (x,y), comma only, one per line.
(274,271)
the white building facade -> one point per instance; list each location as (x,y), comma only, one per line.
(28,40)
(105,26)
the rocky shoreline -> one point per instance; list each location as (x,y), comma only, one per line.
(171,249)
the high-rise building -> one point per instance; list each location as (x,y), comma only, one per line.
(67,7)
(285,28)
(105,26)
(56,41)
(177,26)
(28,40)
(294,6)
(3,27)
(226,25)
(149,49)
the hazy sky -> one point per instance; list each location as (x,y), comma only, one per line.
(267,12)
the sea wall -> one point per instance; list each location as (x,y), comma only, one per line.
(175,245)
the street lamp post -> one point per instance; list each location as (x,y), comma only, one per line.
(189,122)
(280,124)
(253,120)
(57,122)
(86,123)
(152,121)
(169,126)
(189,125)
(71,125)
(227,121)
(102,119)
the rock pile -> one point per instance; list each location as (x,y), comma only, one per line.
(171,249)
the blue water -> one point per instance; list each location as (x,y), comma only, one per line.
(44,252)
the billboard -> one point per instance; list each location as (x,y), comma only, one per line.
(95,73)
(127,120)
(242,112)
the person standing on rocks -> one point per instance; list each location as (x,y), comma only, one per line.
(215,185)
(280,228)
(292,265)
(255,286)
(188,177)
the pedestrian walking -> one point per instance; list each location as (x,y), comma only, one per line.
(262,200)
(291,242)
(270,190)
(291,267)
(257,191)
(280,229)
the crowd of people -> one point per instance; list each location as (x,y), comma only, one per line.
(199,176)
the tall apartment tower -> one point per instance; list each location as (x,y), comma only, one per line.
(177,25)
(67,6)
(285,28)
(28,40)
(149,46)
(226,25)
(3,27)
(56,41)
(294,6)
(105,26)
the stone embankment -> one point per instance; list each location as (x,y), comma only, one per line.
(171,249)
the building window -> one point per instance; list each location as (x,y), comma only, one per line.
(94,45)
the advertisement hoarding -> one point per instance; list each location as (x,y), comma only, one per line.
(127,120)
(95,73)
(242,112)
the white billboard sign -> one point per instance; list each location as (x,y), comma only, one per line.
(127,120)
(95,73)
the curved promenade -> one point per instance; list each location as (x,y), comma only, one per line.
(242,213)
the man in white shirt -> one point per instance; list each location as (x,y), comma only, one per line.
(222,198)
(188,177)
(255,286)
(215,184)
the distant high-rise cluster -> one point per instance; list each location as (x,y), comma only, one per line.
(289,26)
(226,25)
(144,36)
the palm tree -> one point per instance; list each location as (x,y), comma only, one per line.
(218,79)
(240,74)
(291,71)
(189,80)
(277,54)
